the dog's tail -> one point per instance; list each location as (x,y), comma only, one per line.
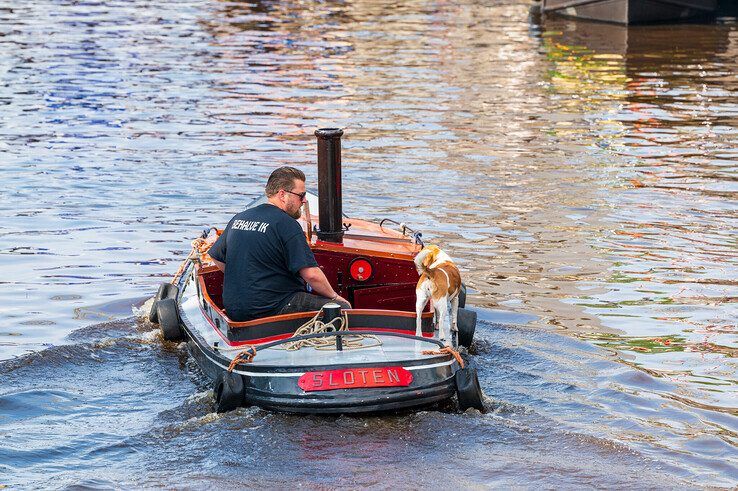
(420,260)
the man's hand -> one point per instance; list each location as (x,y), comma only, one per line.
(339,298)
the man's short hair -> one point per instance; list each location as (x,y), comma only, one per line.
(283,178)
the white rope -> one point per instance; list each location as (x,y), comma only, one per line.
(314,326)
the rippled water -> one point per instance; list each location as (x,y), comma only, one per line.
(583,175)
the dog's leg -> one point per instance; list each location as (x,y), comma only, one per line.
(444,328)
(454,313)
(422,295)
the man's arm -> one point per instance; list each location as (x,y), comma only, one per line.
(315,277)
(221,266)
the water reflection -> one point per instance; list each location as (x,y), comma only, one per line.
(582,175)
(669,154)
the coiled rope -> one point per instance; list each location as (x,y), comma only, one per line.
(315,325)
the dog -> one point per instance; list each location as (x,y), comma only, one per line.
(440,282)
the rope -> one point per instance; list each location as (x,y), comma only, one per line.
(194,255)
(448,350)
(245,356)
(200,246)
(199,249)
(314,326)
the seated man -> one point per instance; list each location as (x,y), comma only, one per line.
(266,258)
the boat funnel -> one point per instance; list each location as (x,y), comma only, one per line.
(330,224)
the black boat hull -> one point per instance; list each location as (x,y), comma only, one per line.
(275,387)
(281,393)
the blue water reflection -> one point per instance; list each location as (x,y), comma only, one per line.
(583,176)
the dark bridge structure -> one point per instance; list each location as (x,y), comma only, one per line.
(635,11)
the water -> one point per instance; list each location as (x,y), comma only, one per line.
(583,176)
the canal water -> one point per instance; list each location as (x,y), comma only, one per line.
(583,176)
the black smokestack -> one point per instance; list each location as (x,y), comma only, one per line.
(330,224)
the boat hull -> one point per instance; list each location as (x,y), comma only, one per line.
(271,381)
(279,391)
(632,11)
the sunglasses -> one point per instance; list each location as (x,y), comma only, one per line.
(299,195)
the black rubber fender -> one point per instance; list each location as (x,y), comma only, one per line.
(468,390)
(228,391)
(166,290)
(466,323)
(462,296)
(166,310)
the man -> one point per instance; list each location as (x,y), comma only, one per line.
(266,259)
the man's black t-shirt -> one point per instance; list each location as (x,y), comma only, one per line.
(263,249)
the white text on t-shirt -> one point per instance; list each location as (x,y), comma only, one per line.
(249,225)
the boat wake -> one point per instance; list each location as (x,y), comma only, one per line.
(118,406)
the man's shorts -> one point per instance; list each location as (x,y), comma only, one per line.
(307,302)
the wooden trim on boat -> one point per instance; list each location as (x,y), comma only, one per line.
(236,333)
(271,318)
(330,247)
(199,271)
(241,324)
(395,313)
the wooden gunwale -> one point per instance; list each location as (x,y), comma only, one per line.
(286,317)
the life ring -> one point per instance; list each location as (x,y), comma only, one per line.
(468,390)
(166,310)
(466,323)
(166,290)
(228,391)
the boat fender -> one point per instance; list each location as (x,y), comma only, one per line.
(466,323)
(166,310)
(462,296)
(166,290)
(468,390)
(228,391)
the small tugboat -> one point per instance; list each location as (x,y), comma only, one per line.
(365,359)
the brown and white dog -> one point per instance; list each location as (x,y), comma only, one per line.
(439,282)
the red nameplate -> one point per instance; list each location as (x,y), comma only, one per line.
(355,378)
